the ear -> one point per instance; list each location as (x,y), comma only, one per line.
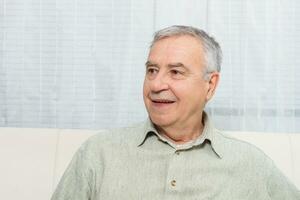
(212,85)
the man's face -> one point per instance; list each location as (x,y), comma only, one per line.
(175,91)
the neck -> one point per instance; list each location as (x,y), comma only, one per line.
(180,134)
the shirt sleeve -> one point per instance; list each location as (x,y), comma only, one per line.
(77,182)
(280,188)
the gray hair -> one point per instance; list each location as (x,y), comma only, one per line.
(212,49)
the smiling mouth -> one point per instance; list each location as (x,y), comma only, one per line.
(162,101)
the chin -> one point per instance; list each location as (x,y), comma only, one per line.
(160,120)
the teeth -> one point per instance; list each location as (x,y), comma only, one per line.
(163,101)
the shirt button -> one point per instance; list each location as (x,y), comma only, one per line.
(177,152)
(173,183)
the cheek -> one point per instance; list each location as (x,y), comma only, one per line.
(182,88)
(145,89)
(190,91)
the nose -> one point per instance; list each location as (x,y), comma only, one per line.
(159,83)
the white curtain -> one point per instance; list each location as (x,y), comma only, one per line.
(80,63)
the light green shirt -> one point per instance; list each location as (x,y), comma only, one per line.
(138,164)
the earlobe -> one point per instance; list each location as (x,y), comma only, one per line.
(212,85)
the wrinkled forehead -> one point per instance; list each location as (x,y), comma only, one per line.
(182,44)
(193,39)
(181,49)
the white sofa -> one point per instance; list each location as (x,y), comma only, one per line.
(33,160)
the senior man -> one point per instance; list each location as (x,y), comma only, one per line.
(176,153)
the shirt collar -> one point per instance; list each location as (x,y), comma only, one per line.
(209,134)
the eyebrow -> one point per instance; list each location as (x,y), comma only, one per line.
(149,63)
(171,65)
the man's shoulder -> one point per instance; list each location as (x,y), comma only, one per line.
(240,149)
(117,136)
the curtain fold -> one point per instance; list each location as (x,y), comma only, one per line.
(80,64)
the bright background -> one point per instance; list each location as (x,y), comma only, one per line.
(80,63)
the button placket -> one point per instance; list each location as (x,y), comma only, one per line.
(174,175)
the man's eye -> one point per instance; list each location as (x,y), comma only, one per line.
(176,72)
(151,70)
